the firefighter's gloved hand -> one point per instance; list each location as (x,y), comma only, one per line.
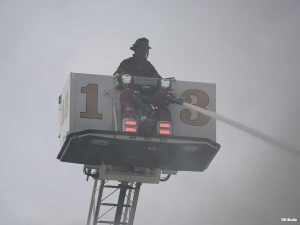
(172,98)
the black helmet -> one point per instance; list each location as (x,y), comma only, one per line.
(140,43)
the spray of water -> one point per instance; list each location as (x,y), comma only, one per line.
(245,128)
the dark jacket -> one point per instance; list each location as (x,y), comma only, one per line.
(139,67)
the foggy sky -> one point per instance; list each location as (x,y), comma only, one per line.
(250,49)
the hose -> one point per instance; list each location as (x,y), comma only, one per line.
(245,128)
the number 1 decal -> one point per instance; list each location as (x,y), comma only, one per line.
(91,91)
(202,101)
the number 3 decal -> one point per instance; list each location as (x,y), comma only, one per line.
(91,91)
(202,101)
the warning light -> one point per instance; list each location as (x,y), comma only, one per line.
(130,123)
(164,128)
(130,129)
(164,125)
(168,132)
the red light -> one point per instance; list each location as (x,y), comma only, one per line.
(130,129)
(130,123)
(168,132)
(164,125)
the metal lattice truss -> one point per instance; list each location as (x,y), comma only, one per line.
(109,208)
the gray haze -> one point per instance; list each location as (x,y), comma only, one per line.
(250,49)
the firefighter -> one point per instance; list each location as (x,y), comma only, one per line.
(138,65)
